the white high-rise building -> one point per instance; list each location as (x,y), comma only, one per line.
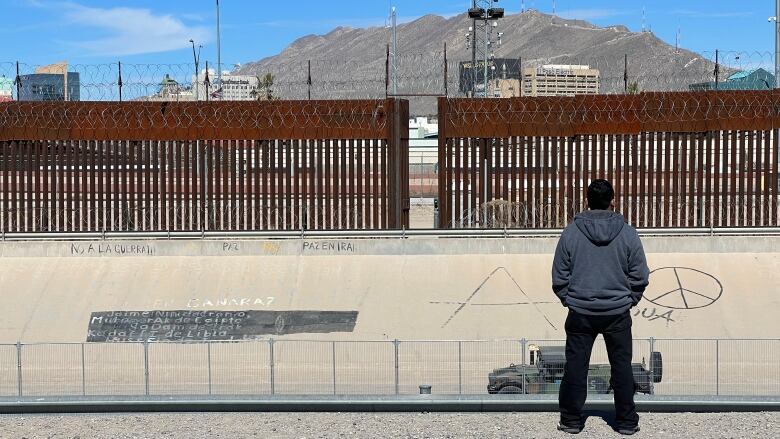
(234,87)
(560,80)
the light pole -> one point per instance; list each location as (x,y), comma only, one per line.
(219,56)
(196,58)
(777,42)
(394,71)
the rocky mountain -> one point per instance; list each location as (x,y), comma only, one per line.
(350,63)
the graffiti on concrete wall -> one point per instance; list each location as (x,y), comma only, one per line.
(192,325)
(112,249)
(673,290)
(473,299)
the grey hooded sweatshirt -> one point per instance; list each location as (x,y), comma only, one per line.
(599,266)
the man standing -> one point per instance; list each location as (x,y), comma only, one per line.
(599,273)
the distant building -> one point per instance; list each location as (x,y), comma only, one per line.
(505,88)
(171,91)
(560,80)
(50,83)
(755,79)
(234,87)
(6,89)
(473,79)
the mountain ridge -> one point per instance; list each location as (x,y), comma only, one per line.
(350,62)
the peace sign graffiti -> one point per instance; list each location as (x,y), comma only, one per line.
(683,288)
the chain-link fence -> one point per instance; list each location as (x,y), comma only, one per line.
(288,367)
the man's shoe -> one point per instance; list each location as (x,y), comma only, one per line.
(628,431)
(569,429)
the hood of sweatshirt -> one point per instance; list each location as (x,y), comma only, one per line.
(600,226)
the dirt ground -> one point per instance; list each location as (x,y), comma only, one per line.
(375,425)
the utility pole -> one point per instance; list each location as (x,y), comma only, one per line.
(219,55)
(394,65)
(474,50)
(486,49)
(196,58)
(777,44)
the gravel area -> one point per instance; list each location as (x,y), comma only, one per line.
(376,425)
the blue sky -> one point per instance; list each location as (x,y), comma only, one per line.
(155,31)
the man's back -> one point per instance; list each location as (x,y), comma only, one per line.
(599,266)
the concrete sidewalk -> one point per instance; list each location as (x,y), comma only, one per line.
(375,403)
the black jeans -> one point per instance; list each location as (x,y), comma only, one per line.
(581,331)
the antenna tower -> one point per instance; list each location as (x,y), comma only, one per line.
(484,38)
(677,42)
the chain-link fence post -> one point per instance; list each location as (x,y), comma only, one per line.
(396,344)
(717,366)
(460,367)
(83,372)
(18,83)
(446,71)
(119,81)
(717,68)
(208,355)
(333,361)
(19,366)
(271,362)
(523,344)
(146,367)
(625,73)
(651,365)
(308,81)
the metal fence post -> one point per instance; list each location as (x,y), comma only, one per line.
(18,83)
(308,81)
(333,357)
(208,354)
(146,367)
(650,366)
(523,346)
(717,366)
(119,81)
(271,362)
(460,367)
(523,343)
(83,372)
(395,344)
(19,366)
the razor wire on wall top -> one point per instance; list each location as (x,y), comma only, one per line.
(420,76)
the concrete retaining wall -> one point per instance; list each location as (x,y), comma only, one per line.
(425,288)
